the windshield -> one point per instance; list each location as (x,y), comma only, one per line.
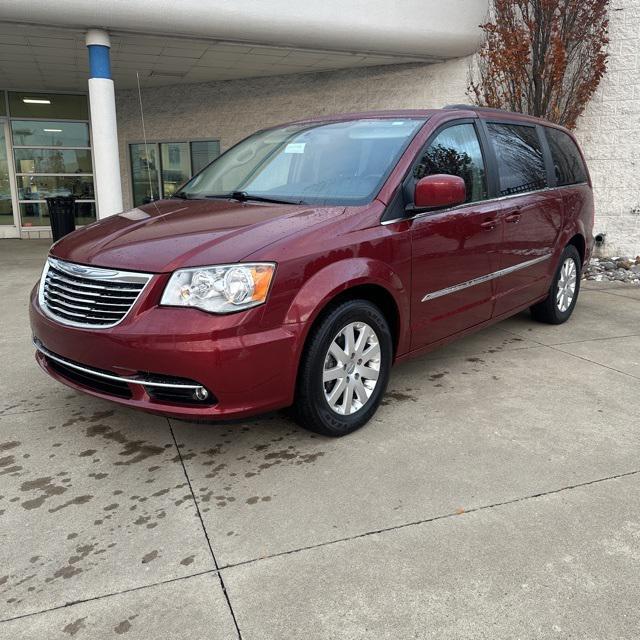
(333,163)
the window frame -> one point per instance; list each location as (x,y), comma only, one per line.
(408,183)
(17,175)
(156,143)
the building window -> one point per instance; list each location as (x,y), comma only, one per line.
(158,169)
(52,154)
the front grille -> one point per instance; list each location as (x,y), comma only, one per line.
(88,296)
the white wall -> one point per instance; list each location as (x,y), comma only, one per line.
(609,130)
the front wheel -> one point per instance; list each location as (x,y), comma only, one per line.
(345,369)
(563,294)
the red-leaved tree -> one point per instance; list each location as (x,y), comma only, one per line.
(542,57)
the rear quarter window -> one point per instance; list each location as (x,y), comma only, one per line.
(567,161)
(520,159)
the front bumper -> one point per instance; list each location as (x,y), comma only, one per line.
(246,369)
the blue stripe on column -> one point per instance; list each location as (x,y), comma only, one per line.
(99,61)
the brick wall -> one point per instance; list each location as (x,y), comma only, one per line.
(609,130)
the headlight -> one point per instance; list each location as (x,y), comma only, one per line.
(221,288)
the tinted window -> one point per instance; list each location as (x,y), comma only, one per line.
(456,151)
(567,161)
(520,160)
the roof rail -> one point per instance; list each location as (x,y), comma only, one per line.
(475,107)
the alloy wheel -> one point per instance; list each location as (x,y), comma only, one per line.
(351,368)
(566,284)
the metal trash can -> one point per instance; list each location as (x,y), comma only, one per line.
(62,213)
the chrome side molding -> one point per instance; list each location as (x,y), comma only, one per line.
(486,278)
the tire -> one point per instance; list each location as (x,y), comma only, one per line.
(334,396)
(557,307)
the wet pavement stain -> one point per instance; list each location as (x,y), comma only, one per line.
(124,626)
(256,499)
(67,572)
(73,627)
(79,500)
(391,397)
(187,561)
(46,486)
(150,557)
(136,450)
(6,446)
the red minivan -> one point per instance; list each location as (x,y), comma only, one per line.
(297,267)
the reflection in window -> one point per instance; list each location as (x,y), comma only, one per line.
(158,169)
(53,160)
(202,153)
(456,151)
(520,160)
(144,173)
(48,105)
(36,187)
(36,214)
(6,206)
(175,166)
(41,133)
(567,162)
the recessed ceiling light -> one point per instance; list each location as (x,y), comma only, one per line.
(36,101)
(53,130)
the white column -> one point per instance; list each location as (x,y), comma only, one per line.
(106,155)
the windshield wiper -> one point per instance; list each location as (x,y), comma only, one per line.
(181,194)
(243,196)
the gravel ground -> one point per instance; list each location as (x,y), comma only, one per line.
(619,269)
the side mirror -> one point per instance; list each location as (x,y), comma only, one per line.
(438,191)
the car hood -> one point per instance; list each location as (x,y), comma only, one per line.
(170,234)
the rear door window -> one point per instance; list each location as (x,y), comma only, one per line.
(456,151)
(520,159)
(567,161)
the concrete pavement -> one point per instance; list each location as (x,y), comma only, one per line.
(494,495)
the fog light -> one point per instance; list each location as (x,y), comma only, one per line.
(201,393)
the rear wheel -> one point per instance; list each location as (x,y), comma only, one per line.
(563,294)
(344,370)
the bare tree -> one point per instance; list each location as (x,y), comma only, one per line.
(542,57)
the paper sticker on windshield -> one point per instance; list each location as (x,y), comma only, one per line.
(295,147)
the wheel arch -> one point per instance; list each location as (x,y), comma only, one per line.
(363,278)
(579,242)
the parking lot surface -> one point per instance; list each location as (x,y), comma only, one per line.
(496,494)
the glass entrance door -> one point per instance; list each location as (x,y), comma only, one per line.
(6,200)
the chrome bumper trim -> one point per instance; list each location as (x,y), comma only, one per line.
(481,279)
(72,365)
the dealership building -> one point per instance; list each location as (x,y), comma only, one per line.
(210,73)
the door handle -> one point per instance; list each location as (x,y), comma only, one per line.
(489,224)
(514,215)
